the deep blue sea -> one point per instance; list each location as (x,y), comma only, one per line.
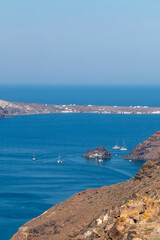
(28,188)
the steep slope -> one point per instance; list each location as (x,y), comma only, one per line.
(148,149)
(128,210)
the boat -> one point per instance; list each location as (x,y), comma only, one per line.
(123,148)
(59,160)
(116,146)
(100,160)
(34,158)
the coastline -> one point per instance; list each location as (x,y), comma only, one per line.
(110,212)
(19,108)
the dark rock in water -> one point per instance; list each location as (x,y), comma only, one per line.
(99,152)
(148,149)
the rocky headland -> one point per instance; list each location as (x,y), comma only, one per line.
(126,211)
(98,153)
(19,108)
(148,149)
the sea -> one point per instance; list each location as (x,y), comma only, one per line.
(27,187)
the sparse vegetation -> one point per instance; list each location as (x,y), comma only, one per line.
(155,237)
(150,220)
(149,228)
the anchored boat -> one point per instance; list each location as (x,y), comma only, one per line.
(123,148)
(59,159)
(116,147)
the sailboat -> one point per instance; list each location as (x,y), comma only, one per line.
(116,146)
(123,148)
(100,160)
(59,159)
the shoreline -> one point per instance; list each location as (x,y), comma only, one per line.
(20,108)
(109,212)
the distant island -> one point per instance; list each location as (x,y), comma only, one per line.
(8,109)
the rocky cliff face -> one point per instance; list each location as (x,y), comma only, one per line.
(149,149)
(125,211)
(99,152)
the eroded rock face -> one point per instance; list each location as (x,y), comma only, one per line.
(146,150)
(138,219)
(125,211)
(99,153)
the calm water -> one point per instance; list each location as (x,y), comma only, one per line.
(100,95)
(29,188)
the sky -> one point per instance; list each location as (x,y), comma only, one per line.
(79,42)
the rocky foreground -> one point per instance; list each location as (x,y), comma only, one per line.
(125,211)
(18,108)
(148,149)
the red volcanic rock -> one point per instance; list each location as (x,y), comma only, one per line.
(148,149)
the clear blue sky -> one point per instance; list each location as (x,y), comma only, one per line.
(80,41)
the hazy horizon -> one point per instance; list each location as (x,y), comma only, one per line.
(80,42)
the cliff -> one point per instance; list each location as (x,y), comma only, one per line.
(148,149)
(125,211)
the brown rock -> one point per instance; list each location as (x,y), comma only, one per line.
(146,150)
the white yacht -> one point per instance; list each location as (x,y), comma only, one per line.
(59,160)
(116,147)
(34,158)
(100,160)
(123,148)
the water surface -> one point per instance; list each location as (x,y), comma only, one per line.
(28,188)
